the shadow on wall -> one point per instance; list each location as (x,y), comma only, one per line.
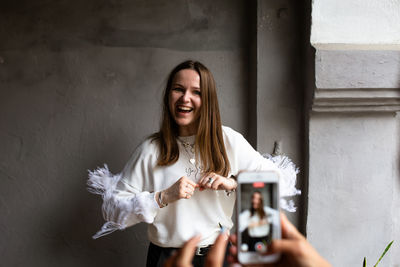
(61,24)
(71,238)
(73,222)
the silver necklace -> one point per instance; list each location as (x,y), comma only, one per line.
(189,147)
(190,151)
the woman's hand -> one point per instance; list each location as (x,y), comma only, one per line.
(216,182)
(183,188)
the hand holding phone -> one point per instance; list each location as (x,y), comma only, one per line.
(294,248)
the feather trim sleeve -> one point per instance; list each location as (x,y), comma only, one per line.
(287,186)
(246,158)
(121,209)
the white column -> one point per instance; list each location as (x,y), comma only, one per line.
(354,203)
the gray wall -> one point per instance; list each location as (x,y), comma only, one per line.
(281,27)
(80,85)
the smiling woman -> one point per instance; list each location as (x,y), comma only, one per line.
(181,179)
(185,101)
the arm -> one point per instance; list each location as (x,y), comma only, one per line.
(243,157)
(129,197)
(121,208)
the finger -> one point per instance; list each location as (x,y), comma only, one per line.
(206,179)
(210,181)
(216,255)
(189,193)
(217,183)
(289,231)
(232,183)
(185,189)
(185,180)
(233,250)
(233,239)
(190,187)
(186,253)
(188,181)
(203,181)
(230,259)
(183,193)
(283,246)
(200,182)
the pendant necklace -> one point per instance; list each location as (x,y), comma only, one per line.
(190,151)
(189,147)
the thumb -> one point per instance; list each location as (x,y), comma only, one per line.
(215,257)
(185,255)
(282,246)
(289,231)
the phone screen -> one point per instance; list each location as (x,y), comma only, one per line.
(259,216)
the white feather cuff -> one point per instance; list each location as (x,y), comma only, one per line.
(120,211)
(287,186)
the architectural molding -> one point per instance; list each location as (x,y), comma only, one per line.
(356,100)
(357,81)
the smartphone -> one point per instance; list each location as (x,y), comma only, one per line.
(257,216)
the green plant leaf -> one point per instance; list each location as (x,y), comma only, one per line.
(384,252)
(365,262)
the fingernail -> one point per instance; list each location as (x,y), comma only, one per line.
(222,230)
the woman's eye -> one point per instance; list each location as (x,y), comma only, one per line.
(197,92)
(178,89)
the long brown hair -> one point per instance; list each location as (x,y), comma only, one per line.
(209,140)
(260,210)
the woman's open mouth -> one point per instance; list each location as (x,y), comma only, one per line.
(183,109)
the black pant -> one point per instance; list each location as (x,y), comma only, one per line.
(156,256)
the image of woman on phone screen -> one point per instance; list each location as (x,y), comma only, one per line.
(256,223)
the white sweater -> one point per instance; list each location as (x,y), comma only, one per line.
(132,199)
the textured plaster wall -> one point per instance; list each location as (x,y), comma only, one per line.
(80,85)
(357,69)
(280,72)
(356,24)
(353,200)
(353,205)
